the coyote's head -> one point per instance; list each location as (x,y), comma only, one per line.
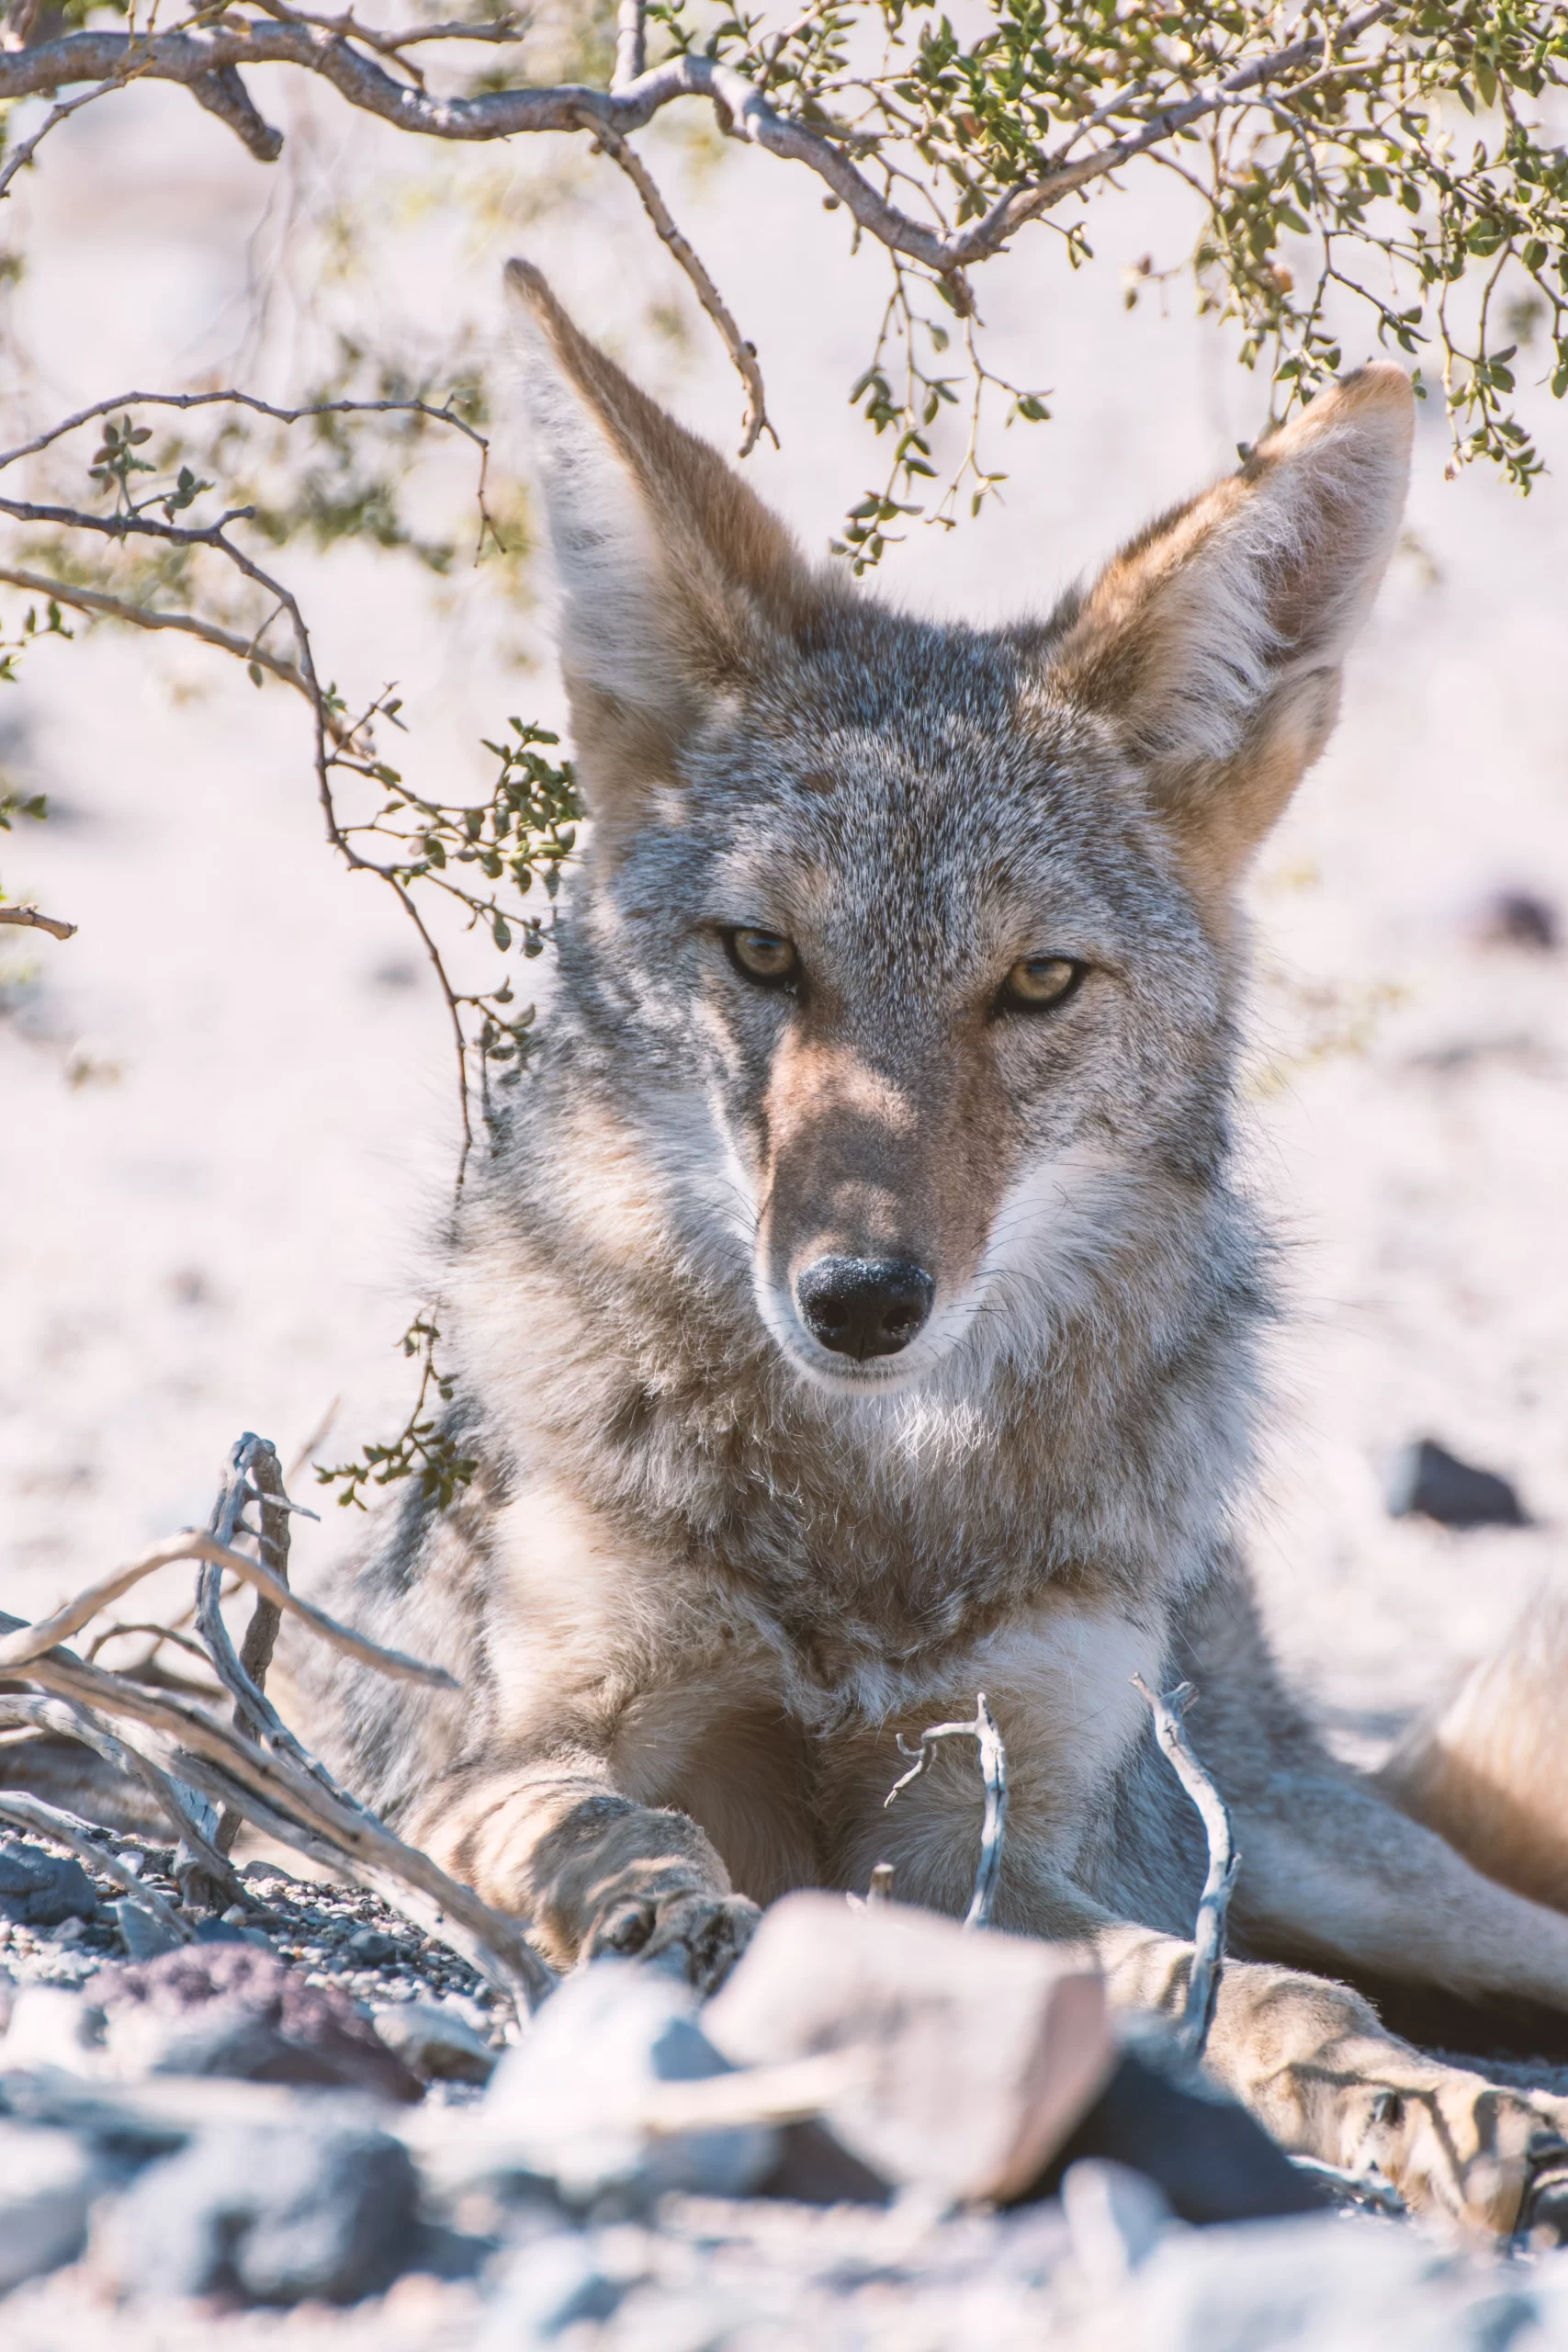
(910,948)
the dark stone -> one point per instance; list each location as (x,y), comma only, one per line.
(369,1948)
(229,2008)
(274,2215)
(1521,919)
(1427,1479)
(38,1891)
(815,2168)
(1165,2120)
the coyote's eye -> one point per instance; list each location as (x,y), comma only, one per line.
(764,956)
(1037,982)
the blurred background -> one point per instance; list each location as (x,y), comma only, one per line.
(227,1107)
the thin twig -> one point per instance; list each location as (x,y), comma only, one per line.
(29,919)
(118,608)
(1208,1931)
(983,1731)
(22,1647)
(741,352)
(64,1829)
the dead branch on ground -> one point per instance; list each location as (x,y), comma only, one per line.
(994,1771)
(1208,1931)
(202,1769)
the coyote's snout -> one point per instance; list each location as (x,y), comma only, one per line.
(856,1308)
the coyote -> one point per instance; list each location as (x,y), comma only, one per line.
(856,1310)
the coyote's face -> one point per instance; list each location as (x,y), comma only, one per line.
(912,945)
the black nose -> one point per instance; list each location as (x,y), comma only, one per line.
(864,1306)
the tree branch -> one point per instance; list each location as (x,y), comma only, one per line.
(741,352)
(983,1731)
(29,919)
(195,51)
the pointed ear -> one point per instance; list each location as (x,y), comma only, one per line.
(676,582)
(1213,643)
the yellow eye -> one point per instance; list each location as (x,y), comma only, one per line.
(763,955)
(1037,982)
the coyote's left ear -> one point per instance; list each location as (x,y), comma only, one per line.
(676,581)
(1213,642)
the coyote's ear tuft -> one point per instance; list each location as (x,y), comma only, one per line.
(675,580)
(1213,642)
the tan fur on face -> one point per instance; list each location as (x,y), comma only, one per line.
(864,1164)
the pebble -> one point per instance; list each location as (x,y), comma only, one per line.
(1426,1478)
(48,2181)
(276,2214)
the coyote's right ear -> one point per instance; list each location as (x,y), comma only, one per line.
(676,581)
(1212,644)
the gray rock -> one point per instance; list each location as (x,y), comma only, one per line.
(38,1890)
(319,2209)
(1117,2217)
(552,2284)
(570,2103)
(369,1948)
(437,2042)
(1426,1480)
(48,2181)
(144,1934)
(226,2008)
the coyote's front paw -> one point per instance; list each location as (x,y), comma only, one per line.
(704,1934)
(1454,2144)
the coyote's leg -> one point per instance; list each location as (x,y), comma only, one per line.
(551,1839)
(1311,2060)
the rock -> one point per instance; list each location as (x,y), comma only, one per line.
(38,1890)
(51,2026)
(1426,1478)
(276,2214)
(226,2008)
(1117,2217)
(48,2181)
(1203,2150)
(144,1934)
(229,1931)
(977,2054)
(1520,917)
(437,2042)
(570,2103)
(369,1948)
(550,2286)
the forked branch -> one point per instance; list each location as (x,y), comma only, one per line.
(993,1758)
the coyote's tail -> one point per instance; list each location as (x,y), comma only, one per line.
(1489,1772)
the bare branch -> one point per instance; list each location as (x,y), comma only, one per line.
(47,1821)
(224,95)
(631,43)
(983,1731)
(29,919)
(1209,1932)
(741,352)
(118,608)
(21,1647)
(196,50)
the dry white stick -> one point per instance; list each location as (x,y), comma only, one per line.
(45,1821)
(67,1720)
(1208,1931)
(983,1731)
(29,919)
(18,1649)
